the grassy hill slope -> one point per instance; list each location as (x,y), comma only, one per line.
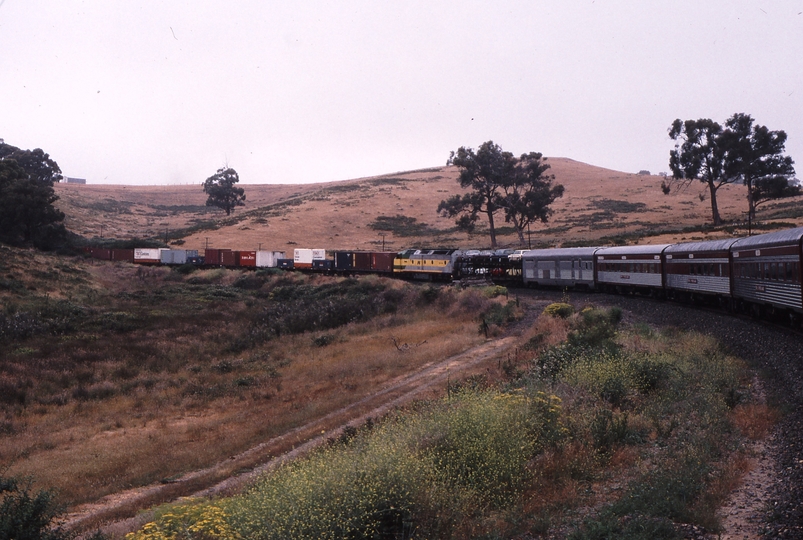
(599,206)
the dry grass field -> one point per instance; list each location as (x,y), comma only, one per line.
(599,205)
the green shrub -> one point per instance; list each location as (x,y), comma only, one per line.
(185,269)
(407,477)
(609,429)
(27,516)
(596,328)
(559,309)
(494,291)
(499,314)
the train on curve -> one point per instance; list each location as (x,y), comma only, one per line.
(758,274)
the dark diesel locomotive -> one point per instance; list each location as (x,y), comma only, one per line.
(758,274)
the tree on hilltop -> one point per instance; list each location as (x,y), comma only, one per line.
(701,156)
(222,191)
(528,193)
(739,152)
(500,181)
(27,214)
(755,156)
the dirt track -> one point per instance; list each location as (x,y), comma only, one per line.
(768,503)
(116,514)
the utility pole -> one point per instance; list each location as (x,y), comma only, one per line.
(383,240)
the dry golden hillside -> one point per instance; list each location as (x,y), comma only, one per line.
(599,205)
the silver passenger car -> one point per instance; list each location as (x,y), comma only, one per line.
(567,267)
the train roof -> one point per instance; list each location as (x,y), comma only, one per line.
(560,252)
(649,249)
(707,245)
(780,238)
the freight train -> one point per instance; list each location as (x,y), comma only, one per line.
(759,274)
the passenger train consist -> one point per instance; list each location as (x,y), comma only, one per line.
(759,274)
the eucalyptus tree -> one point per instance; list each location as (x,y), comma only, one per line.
(529,192)
(738,152)
(755,157)
(222,191)
(699,155)
(499,182)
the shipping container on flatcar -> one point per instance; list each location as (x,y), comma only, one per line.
(123,255)
(177,256)
(631,268)
(302,258)
(98,253)
(323,265)
(379,262)
(247,259)
(219,257)
(382,261)
(699,270)
(147,255)
(228,258)
(767,270)
(285,264)
(426,264)
(559,267)
(269,259)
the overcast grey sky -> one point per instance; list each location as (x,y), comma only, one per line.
(160,92)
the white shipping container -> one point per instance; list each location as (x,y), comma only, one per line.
(269,259)
(318,254)
(302,256)
(148,254)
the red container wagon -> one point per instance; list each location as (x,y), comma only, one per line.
(699,270)
(246,258)
(631,268)
(99,253)
(125,255)
(382,261)
(215,257)
(228,258)
(767,272)
(375,262)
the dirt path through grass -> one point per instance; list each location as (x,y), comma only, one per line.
(117,514)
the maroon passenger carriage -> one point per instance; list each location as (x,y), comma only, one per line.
(631,269)
(767,273)
(699,271)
